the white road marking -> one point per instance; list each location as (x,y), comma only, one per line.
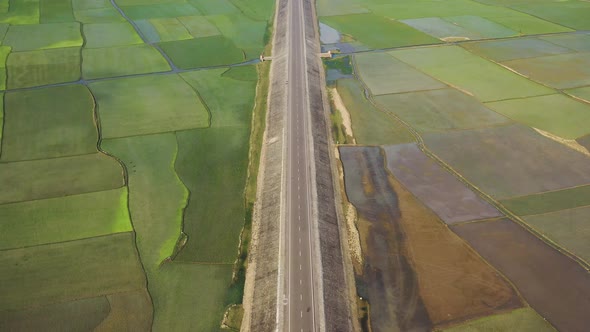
(299,267)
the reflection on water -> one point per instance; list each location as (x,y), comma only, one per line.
(328,35)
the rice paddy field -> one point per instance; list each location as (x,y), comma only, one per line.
(495,109)
(125,133)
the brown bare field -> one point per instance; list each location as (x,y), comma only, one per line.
(413,262)
(553,284)
(450,199)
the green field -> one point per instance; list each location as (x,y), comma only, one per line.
(220,178)
(578,42)
(133,106)
(203,52)
(549,201)
(557,114)
(378,32)
(64,218)
(563,71)
(90,267)
(442,109)
(35,68)
(384,74)
(568,228)
(572,14)
(121,61)
(110,34)
(55,11)
(35,131)
(47,178)
(157,215)
(581,93)
(494,160)
(43,36)
(212,85)
(519,48)
(523,320)
(78,79)
(464,70)
(370,125)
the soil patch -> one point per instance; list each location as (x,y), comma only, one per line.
(417,272)
(553,284)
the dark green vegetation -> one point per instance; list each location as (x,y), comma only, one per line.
(125,175)
(35,131)
(549,201)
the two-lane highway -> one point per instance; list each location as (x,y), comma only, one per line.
(299,313)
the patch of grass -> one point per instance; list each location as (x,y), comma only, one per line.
(156,214)
(148,30)
(133,309)
(47,123)
(582,93)
(525,320)
(122,60)
(342,64)
(21,12)
(518,48)
(563,71)
(557,114)
(377,31)
(133,106)
(440,28)
(370,126)
(159,10)
(90,4)
(110,34)
(90,267)
(34,68)
(99,15)
(242,73)
(260,10)
(181,290)
(462,69)
(226,111)
(77,315)
(246,34)
(203,52)
(442,109)
(55,11)
(382,74)
(64,218)
(47,178)
(43,36)
(552,201)
(169,29)
(504,161)
(212,164)
(572,14)
(218,7)
(528,25)
(577,42)
(199,26)
(568,228)
(481,26)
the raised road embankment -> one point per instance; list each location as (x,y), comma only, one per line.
(264,300)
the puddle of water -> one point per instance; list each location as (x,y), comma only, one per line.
(328,35)
(335,74)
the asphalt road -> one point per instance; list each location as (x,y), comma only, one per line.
(299,314)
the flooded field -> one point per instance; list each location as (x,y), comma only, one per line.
(417,273)
(553,284)
(450,199)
